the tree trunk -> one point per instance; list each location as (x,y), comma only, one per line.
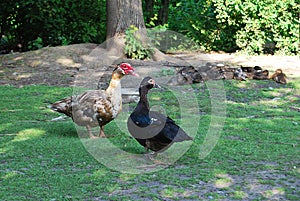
(163,12)
(121,14)
(149,9)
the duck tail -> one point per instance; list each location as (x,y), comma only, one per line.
(63,106)
(182,136)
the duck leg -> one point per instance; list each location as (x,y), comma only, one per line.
(152,157)
(90,132)
(101,134)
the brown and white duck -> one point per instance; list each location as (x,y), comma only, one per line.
(96,107)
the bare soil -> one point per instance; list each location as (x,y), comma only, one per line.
(87,63)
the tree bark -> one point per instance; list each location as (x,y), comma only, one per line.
(163,12)
(149,9)
(121,14)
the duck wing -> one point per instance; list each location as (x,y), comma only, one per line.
(156,126)
(167,128)
(94,106)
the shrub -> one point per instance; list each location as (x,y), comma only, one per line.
(197,20)
(135,46)
(252,26)
(54,22)
(269,26)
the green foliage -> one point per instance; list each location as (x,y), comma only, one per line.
(255,27)
(135,47)
(54,22)
(35,44)
(152,21)
(197,20)
(250,26)
(268,26)
(170,41)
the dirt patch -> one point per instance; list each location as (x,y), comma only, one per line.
(86,63)
(267,185)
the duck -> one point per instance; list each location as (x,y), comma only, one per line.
(279,77)
(96,107)
(153,130)
(261,75)
(186,75)
(239,74)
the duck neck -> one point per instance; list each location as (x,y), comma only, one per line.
(114,88)
(144,98)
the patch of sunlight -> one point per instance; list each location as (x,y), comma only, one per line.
(224,181)
(4,150)
(155,98)
(234,103)
(273,192)
(297,86)
(28,134)
(67,62)
(284,91)
(5,126)
(9,175)
(35,63)
(270,102)
(99,174)
(22,76)
(127,177)
(18,58)
(112,188)
(240,195)
(171,192)
(297,169)
(241,84)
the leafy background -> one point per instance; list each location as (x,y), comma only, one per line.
(250,26)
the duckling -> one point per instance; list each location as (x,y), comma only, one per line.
(279,77)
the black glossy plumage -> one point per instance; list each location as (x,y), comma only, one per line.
(153,130)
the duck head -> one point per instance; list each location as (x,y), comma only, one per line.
(149,83)
(125,69)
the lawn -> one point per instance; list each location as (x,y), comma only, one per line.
(246,147)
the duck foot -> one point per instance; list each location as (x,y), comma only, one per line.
(92,136)
(151,156)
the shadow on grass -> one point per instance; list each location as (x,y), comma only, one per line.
(258,144)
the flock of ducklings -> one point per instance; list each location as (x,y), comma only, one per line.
(191,74)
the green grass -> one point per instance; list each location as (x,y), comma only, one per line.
(256,156)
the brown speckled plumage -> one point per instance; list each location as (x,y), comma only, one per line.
(96,107)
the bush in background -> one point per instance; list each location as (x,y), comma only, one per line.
(197,20)
(37,23)
(268,26)
(249,26)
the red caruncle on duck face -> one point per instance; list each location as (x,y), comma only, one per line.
(127,69)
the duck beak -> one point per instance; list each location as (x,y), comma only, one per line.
(131,72)
(156,86)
